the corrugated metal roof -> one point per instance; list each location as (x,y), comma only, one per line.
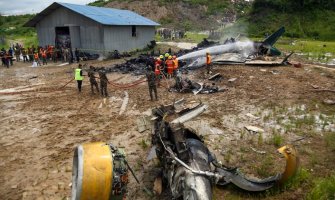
(105,16)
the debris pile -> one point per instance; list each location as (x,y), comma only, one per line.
(185,85)
(136,66)
(87,56)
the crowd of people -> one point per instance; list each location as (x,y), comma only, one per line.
(166,66)
(37,55)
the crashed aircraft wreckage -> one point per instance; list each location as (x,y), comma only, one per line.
(189,169)
(185,85)
(238,52)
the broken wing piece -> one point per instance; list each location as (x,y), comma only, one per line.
(240,180)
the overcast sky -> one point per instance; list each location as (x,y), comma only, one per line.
(17,7)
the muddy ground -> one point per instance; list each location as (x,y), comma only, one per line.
(41,124)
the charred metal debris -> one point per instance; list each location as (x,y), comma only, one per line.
(190,169)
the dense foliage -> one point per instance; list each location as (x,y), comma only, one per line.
(11,28)
(13,25)
(314,19)
(302,19)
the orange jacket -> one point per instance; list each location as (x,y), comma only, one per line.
(208,59)
(158,62)
(44,54)
(36,55)
(170,66)
(157,70)
(176,65)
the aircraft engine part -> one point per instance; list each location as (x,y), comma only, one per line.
(186,161)
(99,172)
(197,186)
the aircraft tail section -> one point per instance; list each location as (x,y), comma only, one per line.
(272,39)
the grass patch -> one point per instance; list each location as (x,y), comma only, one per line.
(264,170)
(324,189)
(227,156)
(195,37)
(302,176)
(143,143)
(260,140)
(330,141)
(277,139)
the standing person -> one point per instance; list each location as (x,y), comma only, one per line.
(208,62)
(176,64)
(170,66)
(92,79)
(78,76)
(151,78)
(70,56)
(55,54)
(76,53)
(65,52)
(30,54)
(37,59)
(103,82)
(3,57)
(158,64)
(17,53)
(44,56)
(10,56)
(24,54)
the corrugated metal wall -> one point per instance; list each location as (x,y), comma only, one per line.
(91,33)
(120,37)
(94,37)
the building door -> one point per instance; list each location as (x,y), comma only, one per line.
(75,37)
(63,38)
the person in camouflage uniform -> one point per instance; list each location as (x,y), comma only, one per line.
(17,52)
(103,82)
(92,79)
(151,78)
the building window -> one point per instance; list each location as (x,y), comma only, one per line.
(133,31)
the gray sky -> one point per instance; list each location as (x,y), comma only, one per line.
(17,7)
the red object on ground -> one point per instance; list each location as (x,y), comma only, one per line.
(297,65)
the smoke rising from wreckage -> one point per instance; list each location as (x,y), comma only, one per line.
(236,52)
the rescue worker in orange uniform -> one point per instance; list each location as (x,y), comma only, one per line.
(170,66)
(208,62)
(44,57)
(158,65)
(36,59)
(176,65)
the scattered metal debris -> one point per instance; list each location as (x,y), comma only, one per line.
(329,102)
(232,80)
(252,116)
(215,77)
(124,103)
(143,124)
(254,129)
(136,66)
(185,85)
(186,161)
(275,72)
(258,151)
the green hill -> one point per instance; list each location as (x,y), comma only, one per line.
(11,29)
(313,19)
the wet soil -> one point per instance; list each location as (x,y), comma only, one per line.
(41,124)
